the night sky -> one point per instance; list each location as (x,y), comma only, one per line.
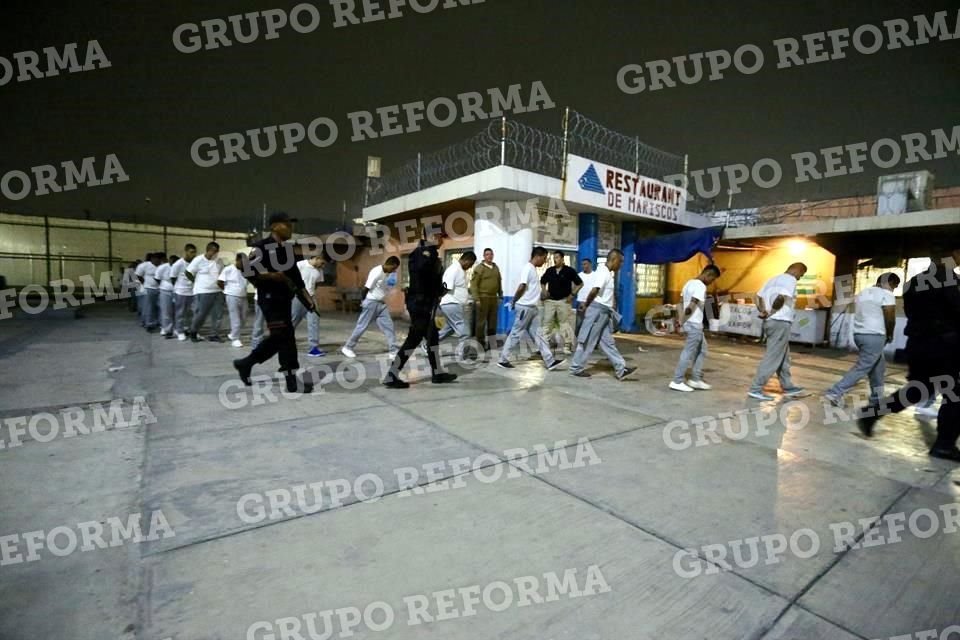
(155,101)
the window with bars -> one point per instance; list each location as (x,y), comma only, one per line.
(649,279)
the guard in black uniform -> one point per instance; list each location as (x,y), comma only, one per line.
(426,289)
(931,302)
(272,268)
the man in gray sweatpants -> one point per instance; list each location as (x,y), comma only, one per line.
(775,301)
(693,298)
(374,307)
(527,321)
(182,292)
(457,296)
(259,324)
(873,323)
(598,318)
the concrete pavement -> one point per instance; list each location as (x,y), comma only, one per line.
(285,515)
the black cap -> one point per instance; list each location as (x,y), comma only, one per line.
(280,217)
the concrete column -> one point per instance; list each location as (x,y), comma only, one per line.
(495,227)
(588,228)
(626,283)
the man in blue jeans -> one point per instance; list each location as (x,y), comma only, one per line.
(873,322)
(693,298)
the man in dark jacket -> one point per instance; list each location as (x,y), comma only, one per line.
(931,302)
(426,289)
(272,268)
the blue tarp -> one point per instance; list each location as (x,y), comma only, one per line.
(677,247)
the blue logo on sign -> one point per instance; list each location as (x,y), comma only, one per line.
(590,181)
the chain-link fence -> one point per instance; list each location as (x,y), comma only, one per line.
(513,144)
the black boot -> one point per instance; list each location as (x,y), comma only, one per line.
(244,367)
(945,451)
(293,384)
(394,382)
(443,378)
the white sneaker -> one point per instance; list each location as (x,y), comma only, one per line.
(236,343)
(181,337)
(392,354)
(423,349)
(347,351)
(231,338)
(163,332)
(680,386)
(699,384)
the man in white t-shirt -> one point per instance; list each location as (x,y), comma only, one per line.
(312,271)
(151,288)
(693,297)
(140,273)
(775,301)
(162,276)
(182,292)
(598,317)
(234,286)
(374,308)
(875,315)
(203,271)
(526,323)
(458,295)
(587,274)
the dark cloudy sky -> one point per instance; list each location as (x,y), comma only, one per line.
(154,101)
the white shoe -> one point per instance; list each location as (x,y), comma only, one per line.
(236,343)
(699,384)
(181,337)
(163,332)
(423,349)
(930,412)
(680,386)
(392,354)
(231,338)
(347,351)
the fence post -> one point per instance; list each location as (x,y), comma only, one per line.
(503,140)
(46,243)
(636,155)
(109,247)
(563,159)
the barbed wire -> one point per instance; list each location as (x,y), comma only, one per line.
(592,140)
(480,152)
(517,145)
(533,150)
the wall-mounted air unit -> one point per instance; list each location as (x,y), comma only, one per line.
(904,192)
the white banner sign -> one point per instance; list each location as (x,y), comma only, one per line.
(605,187)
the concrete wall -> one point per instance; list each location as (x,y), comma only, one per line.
(744,272)
(352,273)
